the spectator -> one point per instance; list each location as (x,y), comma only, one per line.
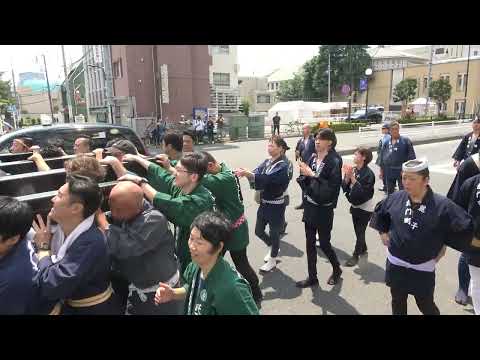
(142,249)
(21,145)
(199,127)
(220,126)
(212,286)
(276,124)
(82,146)
(188,141)
(210,128)
(86,166)
(80,272)
(18,293)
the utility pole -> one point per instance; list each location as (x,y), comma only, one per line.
(48,87)
(427,98)
(351,82)
(17,103)
(108,81)
(329,76)
(67,87)
(466,83)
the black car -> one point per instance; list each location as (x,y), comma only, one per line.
(373,116)
(66,134)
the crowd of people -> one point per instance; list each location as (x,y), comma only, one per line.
(160,248)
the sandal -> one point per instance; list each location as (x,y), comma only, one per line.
(335,277)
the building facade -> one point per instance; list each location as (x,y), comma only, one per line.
(383,82)
(95,82)
(445,52)
(254,90)
(224,91)
(152,81)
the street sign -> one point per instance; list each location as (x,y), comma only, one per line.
(363,84)
(345,90)
(164,80)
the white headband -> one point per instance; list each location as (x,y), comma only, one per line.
(415,165)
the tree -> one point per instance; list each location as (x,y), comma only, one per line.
(347,63)
(440,91)
(6,98)
(245,107)
(405,91)
(291,89)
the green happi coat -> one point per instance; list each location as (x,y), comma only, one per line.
(228,200)
(179,208)
(224,292)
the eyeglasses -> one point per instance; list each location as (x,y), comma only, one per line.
(182,170)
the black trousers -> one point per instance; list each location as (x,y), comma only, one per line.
(242,265)
(391,183)
(324,235)
(425,303)
(277,127)
(360,220)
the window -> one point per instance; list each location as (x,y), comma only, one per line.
(221,49)
(117,69)
(461,80)
(459,106)
(439,51)
(263,99)
(425,83)
(276,86)
(445,77)
(221,79)
(443,107)
(475,53)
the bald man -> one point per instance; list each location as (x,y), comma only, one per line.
(81,146)
(142,249)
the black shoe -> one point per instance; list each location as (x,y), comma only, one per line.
(284,229)
(306,283)
(352,261)
(335,277)
(299,207)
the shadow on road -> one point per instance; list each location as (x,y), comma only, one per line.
(283,286)
(342,255)
(331,302)
(290,250)
(213,147)
(370,273)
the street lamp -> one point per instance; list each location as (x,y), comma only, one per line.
(368,73)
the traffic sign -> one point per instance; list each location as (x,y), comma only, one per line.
(363,84)
(345,89)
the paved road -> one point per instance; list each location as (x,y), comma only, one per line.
(362,291)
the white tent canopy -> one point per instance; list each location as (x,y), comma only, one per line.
(304,111)
(420,103)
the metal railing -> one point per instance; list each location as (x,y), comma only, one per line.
(417,128)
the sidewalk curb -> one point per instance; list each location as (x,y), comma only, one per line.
(414,142)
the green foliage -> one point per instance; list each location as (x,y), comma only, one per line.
(291,89)
(405,91)
(440,91)
(347,63)
(339,126)
(245,107)
(6,97)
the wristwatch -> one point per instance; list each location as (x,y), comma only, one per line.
(43,246)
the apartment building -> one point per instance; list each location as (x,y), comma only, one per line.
(254,90)
(224,91)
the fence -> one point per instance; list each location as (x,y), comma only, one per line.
(418,128)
